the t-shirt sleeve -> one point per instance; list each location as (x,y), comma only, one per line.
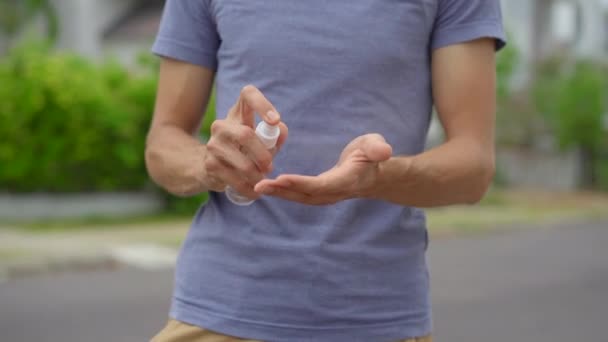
(459,21)
(188,33)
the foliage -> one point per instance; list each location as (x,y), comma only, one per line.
(14,14)
(515,125)
(68,125)
(572,96)
(566,100)
(580,107)
(505,66)
(547,82)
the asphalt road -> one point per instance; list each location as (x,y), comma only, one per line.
(540,286)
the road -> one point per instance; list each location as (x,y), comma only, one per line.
(545,285)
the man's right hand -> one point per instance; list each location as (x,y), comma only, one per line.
(235,156)
(176,159)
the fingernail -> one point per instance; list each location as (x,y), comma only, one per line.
(274,116)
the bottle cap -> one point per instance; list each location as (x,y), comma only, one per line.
(269,134)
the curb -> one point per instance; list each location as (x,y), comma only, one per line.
(141,256)
(17,270)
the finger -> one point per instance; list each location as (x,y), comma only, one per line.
(235,160)
(304,184)
(325,184)
(224,174)
(288,195)
(230,134)
(293,196)
(215,168)
(251,100)
(332,183)
(240,184)
(262,185)
(254,149)
(282,138)
(375,148)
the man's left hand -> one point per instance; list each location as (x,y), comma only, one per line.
(355,175)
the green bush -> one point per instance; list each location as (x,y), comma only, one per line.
(68,124)
(572,96)
(506,63)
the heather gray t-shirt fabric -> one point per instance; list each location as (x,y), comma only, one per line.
(279,271)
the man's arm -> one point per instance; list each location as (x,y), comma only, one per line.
(174,154)
(234,155)
(460,170)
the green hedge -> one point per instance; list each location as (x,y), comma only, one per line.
(68,124)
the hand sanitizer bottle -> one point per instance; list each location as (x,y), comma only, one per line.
(269,135)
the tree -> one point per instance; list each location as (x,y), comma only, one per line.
(574,101)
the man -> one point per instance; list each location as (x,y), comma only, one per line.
(333,250)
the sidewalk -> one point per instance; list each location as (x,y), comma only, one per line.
(25,252)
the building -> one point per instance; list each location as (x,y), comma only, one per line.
(538,28)
(121,27)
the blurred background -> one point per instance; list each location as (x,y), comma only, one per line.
(87,242)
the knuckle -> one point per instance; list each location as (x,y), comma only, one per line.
(212,146)
(212,164)
(250,169)
(248,90)
(217,126)
(265,160)
(215,149)
(244,135)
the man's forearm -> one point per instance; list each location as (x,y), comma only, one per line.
(457,172)
(175,161)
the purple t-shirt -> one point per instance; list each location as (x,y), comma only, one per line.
(279,271)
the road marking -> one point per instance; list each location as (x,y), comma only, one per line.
(145,256)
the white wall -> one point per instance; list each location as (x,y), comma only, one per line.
(594,29)
(518,21)
(108,11)
(76,31)
(84,21)
(125,52)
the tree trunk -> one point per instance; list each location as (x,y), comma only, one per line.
(588,179)
(542,28)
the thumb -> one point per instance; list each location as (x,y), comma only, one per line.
(376,148)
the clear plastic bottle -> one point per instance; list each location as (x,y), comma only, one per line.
(269,135)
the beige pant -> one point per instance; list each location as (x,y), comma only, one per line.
(181,332)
